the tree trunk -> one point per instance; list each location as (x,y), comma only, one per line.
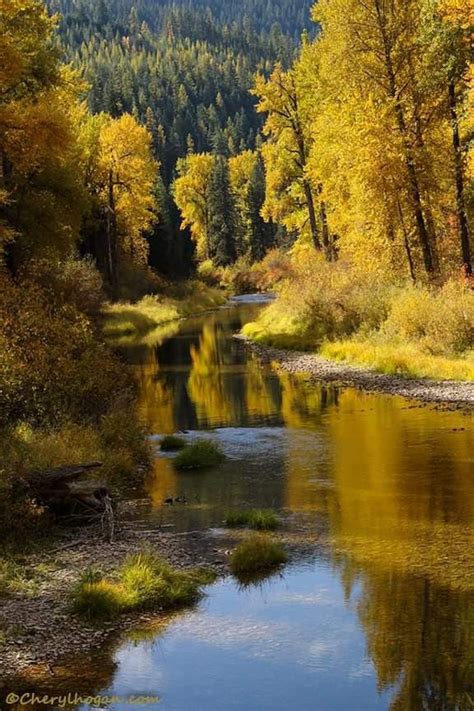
(458,165)
(313,223)
(406,244)
(112,234)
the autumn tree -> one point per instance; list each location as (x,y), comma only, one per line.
(379,129)
(452,27)
(191,193)
(291,197)
(121,174)
(41,196)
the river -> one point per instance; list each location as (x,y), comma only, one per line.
(377,611)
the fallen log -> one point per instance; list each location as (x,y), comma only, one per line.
(60,491)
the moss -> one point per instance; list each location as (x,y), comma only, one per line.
(172,443)
(258,519)
(201,454)
(144,582)
(257,553)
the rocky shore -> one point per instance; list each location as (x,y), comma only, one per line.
(38,631)
(456,395)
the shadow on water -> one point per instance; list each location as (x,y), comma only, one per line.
(382,617)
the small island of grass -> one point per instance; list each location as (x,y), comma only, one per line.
(201,454)
(258,519)
(256,554)
(144,582)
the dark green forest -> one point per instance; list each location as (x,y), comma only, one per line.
(185,71)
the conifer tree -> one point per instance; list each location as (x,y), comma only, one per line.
(222,215)
(260,234)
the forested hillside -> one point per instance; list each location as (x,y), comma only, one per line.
(183,69)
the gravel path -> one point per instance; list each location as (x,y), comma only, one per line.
(453,394)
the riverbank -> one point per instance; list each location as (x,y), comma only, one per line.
(125,320)
(38,630)
(453,394)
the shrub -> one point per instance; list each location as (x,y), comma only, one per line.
(71,281)
(321,301)
(201,454)
(172,443)
(120,432)
(272,270)
(138,280)
(209,274)
(440,321)
(55,367)
(255,554)
(258,519)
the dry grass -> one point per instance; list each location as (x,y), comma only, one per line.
(401,359)
(126,318)
(348,314)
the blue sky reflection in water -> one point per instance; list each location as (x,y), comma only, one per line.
(290,643)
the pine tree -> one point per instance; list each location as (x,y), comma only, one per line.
(222,215)
(260,234)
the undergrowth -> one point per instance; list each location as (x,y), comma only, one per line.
(365,317)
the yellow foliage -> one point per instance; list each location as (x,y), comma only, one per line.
(125,162)
(190,192)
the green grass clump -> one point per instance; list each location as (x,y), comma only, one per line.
(258,519)
(144,582)
(172,443)
(100,600)
(201,454)
(255,554)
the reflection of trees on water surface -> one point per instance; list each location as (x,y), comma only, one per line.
(400,511)
(394,483)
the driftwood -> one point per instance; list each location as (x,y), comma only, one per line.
(69,499)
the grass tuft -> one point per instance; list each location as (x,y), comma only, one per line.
(258,519)
(144,582)
(172,443)
(201,454)
(255,554)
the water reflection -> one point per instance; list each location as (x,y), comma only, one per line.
(393,482)
(384,619)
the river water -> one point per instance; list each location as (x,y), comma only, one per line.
(377,613)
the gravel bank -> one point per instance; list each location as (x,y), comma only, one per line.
(453,394)
(39,630)
(39,633)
